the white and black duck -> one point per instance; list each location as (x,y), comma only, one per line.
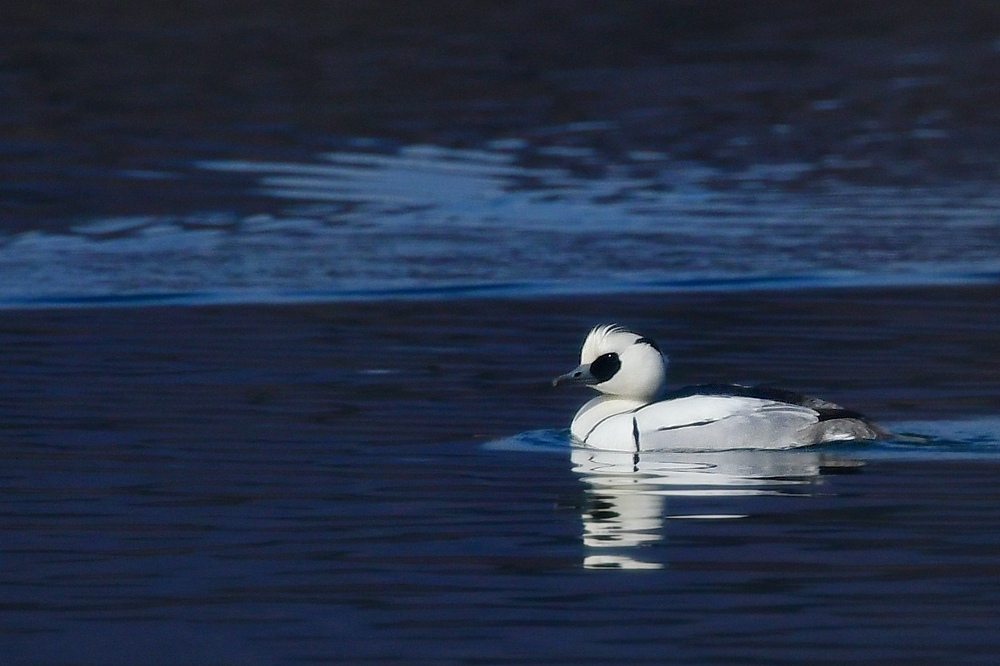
(636,411)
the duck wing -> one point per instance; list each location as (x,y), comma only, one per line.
(783,417)
(825,410)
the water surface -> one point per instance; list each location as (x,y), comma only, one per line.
(387,482)
(427,222)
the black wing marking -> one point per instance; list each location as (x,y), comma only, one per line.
(689,425)
(824,409)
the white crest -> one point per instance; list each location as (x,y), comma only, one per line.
(604,339)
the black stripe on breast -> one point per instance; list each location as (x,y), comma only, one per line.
(597,425)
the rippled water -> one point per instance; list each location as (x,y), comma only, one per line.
(424,221)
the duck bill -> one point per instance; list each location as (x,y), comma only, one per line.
(581,376)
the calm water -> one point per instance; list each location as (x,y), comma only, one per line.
(281,295)
(393,482)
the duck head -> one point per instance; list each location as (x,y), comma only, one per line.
(618,362)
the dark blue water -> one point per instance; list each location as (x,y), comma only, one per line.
(384,482)
(282,292)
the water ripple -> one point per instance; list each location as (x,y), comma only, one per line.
(427,221)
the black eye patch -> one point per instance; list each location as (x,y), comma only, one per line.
(605,366)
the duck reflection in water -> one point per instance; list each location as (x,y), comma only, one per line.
(629,493)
